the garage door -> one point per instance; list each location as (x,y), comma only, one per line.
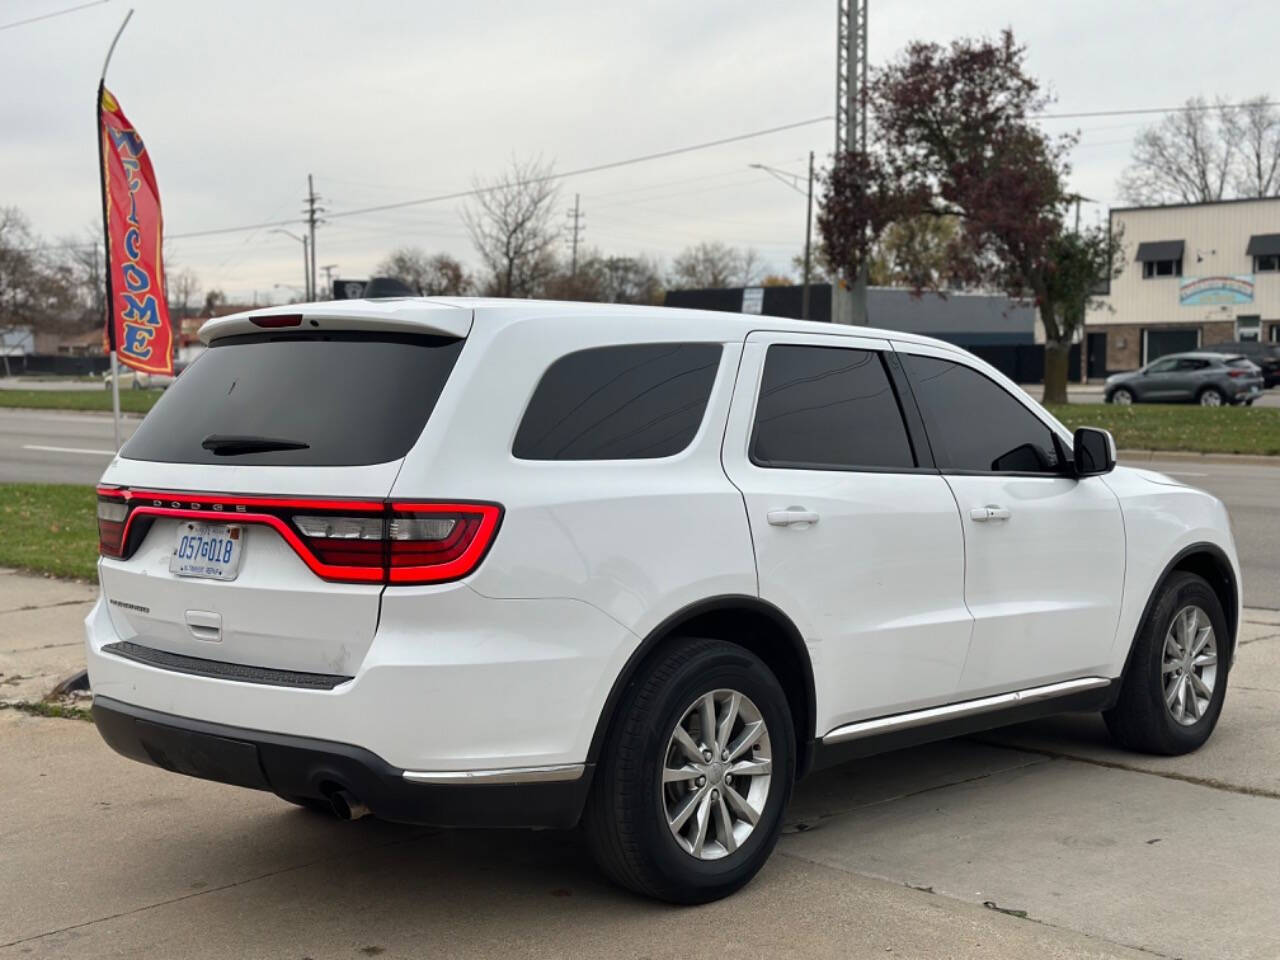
(1158,343)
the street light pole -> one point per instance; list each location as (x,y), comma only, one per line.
(306,262)
(808,237)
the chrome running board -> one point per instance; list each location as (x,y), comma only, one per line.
(565,771)
(952,711)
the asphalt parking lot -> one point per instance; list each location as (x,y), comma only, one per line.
(1037,841)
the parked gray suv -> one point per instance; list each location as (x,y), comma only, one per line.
(1209,379)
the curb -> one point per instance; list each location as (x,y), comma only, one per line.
(124,415)
(1184,456)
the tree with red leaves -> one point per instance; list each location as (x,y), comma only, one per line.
(952,137)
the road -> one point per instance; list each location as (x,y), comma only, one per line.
(50,447)
(1037,841)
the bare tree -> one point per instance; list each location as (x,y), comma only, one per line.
(37,290)
(1188,157)
(431,276)
(184,287)
(1258,130)
(715,264)
(513,229)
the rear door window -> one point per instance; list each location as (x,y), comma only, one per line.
(627,402)
(828,408)
(336,400)
(974,424)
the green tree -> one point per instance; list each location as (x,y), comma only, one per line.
(954,139)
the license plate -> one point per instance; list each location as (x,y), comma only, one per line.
(210,550)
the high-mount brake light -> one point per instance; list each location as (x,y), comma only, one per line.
(278,320)
(352,541)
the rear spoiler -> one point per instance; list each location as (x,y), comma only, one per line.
(401,315)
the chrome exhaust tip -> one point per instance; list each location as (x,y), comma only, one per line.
(346,806)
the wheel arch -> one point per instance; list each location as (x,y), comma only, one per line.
(749,622)
(1209,561)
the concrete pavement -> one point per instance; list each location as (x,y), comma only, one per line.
(1078,850)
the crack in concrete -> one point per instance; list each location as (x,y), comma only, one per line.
(1210,782)
(802,827)
(1269,636)
(26,608)
(226,886)
(47,646)
(931,891)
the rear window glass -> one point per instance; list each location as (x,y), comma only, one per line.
(338,399)
(1241,362)
(632,402)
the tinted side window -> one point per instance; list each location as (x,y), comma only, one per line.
(828,407)
(628,402)
(974,424)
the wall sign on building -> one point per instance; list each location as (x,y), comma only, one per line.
(1215,291)
(753,300)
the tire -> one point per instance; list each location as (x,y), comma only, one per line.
(626,819)
(1141,720)
(1122,396)
(1211,397)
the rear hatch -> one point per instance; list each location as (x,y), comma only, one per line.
(246,520)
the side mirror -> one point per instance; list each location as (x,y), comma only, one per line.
(1093,452)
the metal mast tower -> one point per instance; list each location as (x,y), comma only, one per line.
(851,116)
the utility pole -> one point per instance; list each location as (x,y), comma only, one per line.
(808,237)
(575,218)
(851,110)
(311,210)
(329,269)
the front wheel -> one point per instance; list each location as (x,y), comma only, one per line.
(1176,683)
(688,797)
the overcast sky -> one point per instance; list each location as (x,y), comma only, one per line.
(385,101)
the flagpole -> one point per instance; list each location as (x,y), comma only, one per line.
(106,235)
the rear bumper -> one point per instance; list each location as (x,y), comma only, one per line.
(305,768)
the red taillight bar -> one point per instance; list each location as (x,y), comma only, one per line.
(384,560)
(278,320)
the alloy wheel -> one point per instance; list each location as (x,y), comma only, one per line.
(716,773)
(1189,667)
(1122,397)
(1211,398)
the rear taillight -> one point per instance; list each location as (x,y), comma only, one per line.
(355,541)
(430,542)
(112,512)
(1237,374)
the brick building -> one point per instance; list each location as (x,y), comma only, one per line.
(1195,274)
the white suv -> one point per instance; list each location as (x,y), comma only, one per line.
(469,562)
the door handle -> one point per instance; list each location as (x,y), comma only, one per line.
(990,512)
(791,516)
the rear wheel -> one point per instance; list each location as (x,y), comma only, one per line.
(688,798)
(1211,397)
(1176,683)
(1122,396)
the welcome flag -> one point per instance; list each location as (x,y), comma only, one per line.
(138,327)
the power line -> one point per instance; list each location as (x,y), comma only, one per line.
(614,164)
(1144,111)
(50,16)
(464,194)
